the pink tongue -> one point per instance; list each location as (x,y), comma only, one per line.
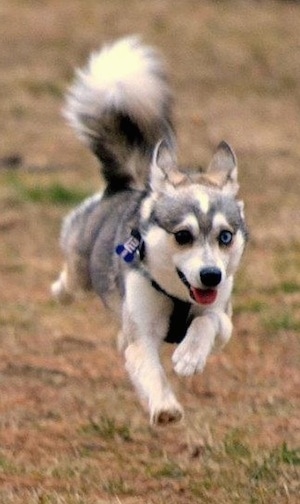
(204,296)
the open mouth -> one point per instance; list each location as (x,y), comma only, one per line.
(201,296)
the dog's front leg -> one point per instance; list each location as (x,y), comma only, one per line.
(191,355)
(145,324)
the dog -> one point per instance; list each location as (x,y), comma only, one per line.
(160,244)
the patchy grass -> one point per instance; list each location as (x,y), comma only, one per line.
(54,192)
(274,323)
(106,428)
(72,431)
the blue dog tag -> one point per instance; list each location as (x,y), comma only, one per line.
(128,249)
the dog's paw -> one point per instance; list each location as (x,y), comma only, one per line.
(188,360)
(166,411)
(60,293)
(165,416)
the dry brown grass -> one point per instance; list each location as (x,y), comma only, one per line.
(71,428)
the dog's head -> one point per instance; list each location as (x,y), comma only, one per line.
(193,226)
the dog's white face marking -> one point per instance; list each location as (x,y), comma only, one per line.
(203,202)
(146,208)
(190,223)
(220,222)
(236,252)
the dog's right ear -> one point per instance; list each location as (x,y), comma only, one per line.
(163,170)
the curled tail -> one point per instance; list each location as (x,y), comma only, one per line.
(120,106)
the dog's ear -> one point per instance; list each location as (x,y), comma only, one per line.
(164,167)
(223,170)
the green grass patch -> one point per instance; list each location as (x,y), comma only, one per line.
(285,287)
(276,323)
(54,193)
(290,287)
(168,469)
(17,316)
(8,467)
(288,455)
(117,486)
(251,306)
(43,87)
(201,488)
(235,447)
(235,472)
(108,429)
(269,468)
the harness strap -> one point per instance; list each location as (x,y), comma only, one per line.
(180,319)
(179,322)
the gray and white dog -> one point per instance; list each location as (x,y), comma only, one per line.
(159,245)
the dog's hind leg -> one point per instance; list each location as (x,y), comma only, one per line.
(75,276)
(73,279)
(59,288)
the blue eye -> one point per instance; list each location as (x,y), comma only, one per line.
(225,237)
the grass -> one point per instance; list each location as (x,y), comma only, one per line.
(45,87)
(245,475)
(286,321)
(54,192)
(169,469)
(117,487)
(7,466)
(290,287)
(71,428)
(106,428)
(271,471)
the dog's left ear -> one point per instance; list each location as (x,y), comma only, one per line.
(164,167)
(223,169)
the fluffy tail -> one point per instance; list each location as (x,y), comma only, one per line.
(120,105)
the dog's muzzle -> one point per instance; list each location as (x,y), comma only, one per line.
(210,278)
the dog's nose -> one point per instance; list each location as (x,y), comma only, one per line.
(210,277)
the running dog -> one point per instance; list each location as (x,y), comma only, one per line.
(160,245)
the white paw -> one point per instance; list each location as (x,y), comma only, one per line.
(165,415)
(60,293)
(188,360)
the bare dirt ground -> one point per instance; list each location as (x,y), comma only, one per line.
(72,430)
